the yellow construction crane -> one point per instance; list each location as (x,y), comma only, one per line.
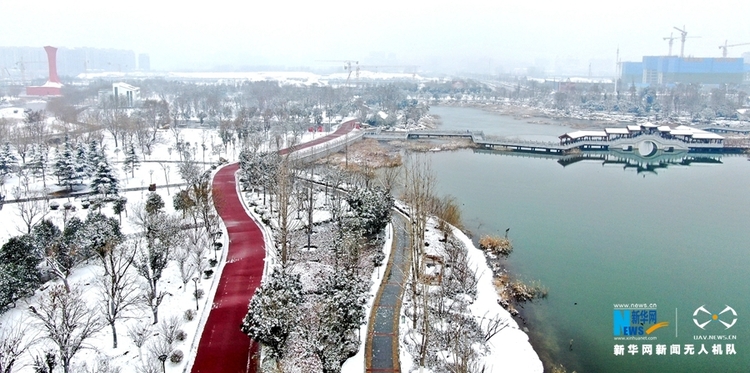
(725,47)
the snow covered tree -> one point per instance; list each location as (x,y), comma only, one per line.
(154,203)
(65,166)
(7,160)
(182,202)
(104,180)
(162,235)
(67,321)
(119,207)
(81,161)
(99,231)
(38,162)
(344,298)
(93,156)
(19,276)
(273,311)
(131,160)
(373,206)
(60,253)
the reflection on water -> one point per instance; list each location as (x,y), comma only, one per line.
(630,161)
(595,236)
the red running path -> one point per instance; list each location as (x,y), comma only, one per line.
(223,348)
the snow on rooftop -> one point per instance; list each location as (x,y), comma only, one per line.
(579,134)
(125,86)
(617,131)
(677,131)
(52,85)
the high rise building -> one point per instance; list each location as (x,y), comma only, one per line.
(144,62)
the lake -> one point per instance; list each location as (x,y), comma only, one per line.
(670,240)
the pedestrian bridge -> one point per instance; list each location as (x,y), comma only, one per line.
(644,143)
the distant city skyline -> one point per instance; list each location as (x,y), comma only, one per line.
(474,36)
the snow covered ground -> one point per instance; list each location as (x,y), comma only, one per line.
(283,77)
(159,168)
(509,350)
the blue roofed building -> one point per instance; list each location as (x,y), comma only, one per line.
(668,70)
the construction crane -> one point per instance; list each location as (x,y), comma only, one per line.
(347,66)
(22,68)
(672,38)
(683,36)
(725,47)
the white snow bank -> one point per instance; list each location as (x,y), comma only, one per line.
(510,349)
(356,363)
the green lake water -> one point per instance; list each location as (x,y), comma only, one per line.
(598,234)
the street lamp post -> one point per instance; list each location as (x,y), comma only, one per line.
(195,281)
(163,358)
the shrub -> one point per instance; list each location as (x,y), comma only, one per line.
(497,245)
(198,294)
(181,335)
(54,205)
(212,262)
(208,273)
(190,314)
(176,356)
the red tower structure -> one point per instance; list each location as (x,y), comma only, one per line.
(53,85)
(52,60)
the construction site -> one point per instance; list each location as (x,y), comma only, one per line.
(686,69)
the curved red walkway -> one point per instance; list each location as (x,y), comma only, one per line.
(223,348)
(343,129)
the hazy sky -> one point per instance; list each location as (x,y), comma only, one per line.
(430,33)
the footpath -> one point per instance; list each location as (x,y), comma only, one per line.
(223,348)
(381,346)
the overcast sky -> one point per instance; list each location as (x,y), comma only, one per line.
(471,33)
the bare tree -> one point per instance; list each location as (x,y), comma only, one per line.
(31,209)
(117,287)
(169,329)
(15,340)
(139,333)
(389,177)
(419,182)
(115,119)
(286,208)
(187,269)
(67,321)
